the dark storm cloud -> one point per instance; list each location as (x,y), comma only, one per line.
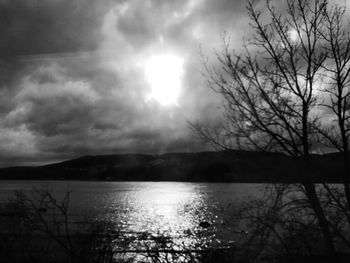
(36,27)
(72,80)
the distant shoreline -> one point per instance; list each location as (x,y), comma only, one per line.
(220,167)
(170,181)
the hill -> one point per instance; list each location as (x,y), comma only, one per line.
(224,166)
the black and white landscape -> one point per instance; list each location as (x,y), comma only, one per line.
(174,131)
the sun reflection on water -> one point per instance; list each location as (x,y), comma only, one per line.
(166,209)
(137,215)
(170,212)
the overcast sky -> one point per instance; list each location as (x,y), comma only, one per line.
(79,77)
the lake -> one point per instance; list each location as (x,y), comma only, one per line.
(172,209)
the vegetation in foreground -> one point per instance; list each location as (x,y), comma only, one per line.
(40,228)
(281,228)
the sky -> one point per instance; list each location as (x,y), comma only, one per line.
(88,77)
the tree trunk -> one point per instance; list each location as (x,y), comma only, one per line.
(322,220)
(346,176)
(344,139)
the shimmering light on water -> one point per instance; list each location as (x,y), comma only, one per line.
(170,209)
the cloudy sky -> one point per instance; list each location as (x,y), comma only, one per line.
(84,77)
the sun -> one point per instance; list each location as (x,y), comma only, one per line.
(294,35)
(164,75)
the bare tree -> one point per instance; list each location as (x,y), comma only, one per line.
(271,90)
(336,36)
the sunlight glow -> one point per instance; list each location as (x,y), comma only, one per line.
(293,35)
(164,74)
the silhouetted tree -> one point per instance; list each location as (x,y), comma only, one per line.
(336,38)
(273,90)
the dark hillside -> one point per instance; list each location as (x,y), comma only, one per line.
(225,166)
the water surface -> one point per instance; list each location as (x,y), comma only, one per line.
(157,208)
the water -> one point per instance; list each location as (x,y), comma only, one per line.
(172,209)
